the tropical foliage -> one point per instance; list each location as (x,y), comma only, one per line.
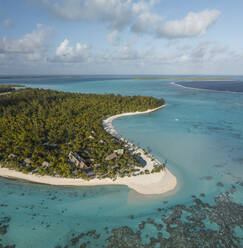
(45,125)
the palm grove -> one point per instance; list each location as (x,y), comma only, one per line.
(45,125)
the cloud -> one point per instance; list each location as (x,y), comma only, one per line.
(203,53)
(116,13)
(181,58)
(146,20)
(194,24)
(30,47)
(126,53)
(137,16)
(113,38)
(68,54)
(7,23)
(29,43)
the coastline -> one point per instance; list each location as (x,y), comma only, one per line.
(209,90)
(148,184)
(6,93)
(187,79)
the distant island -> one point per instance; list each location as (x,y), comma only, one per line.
(188,79)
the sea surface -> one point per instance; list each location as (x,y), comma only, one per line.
(200,133)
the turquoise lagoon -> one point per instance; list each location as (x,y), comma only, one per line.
(200,133)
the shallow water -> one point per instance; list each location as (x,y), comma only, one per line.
(199,132)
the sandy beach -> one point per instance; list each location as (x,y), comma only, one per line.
(154,183)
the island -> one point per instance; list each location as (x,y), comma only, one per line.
(187,79)
(63,138)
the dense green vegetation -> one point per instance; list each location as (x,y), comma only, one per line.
(8,88)
(45,125)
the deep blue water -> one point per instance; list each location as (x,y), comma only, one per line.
(200,133)
(228,86)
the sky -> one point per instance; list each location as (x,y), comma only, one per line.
(164,37)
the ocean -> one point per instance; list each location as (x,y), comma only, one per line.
(200,133)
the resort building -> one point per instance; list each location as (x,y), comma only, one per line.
(77,160)
(45,164)
(27,161)
(111,156)
(115,154)
(12,155)
(91,174)
(116,166)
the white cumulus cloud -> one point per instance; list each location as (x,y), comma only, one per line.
(68,54)
(29,43)
(114,38)
(146,22)
(138,16)
(31,47)
(116,13)
(194,24)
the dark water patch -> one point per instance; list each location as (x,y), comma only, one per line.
(131,217)
(219,184)
(3,205)
(239,160)
(224,86)
(7,246)
(3,229)
(215,129)
(92,234)
(124,237)
(205,226)
(219,165)
(4,224)
(240,183)
(206,178)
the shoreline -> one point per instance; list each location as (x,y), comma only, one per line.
(201,89)
(187,79)
(148,184)
(9,92)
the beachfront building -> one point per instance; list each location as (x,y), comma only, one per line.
(113,167)
(111,156)
(45,164)
(90,174)
(77,160)
(12,155)
(27,161)
(115,154)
